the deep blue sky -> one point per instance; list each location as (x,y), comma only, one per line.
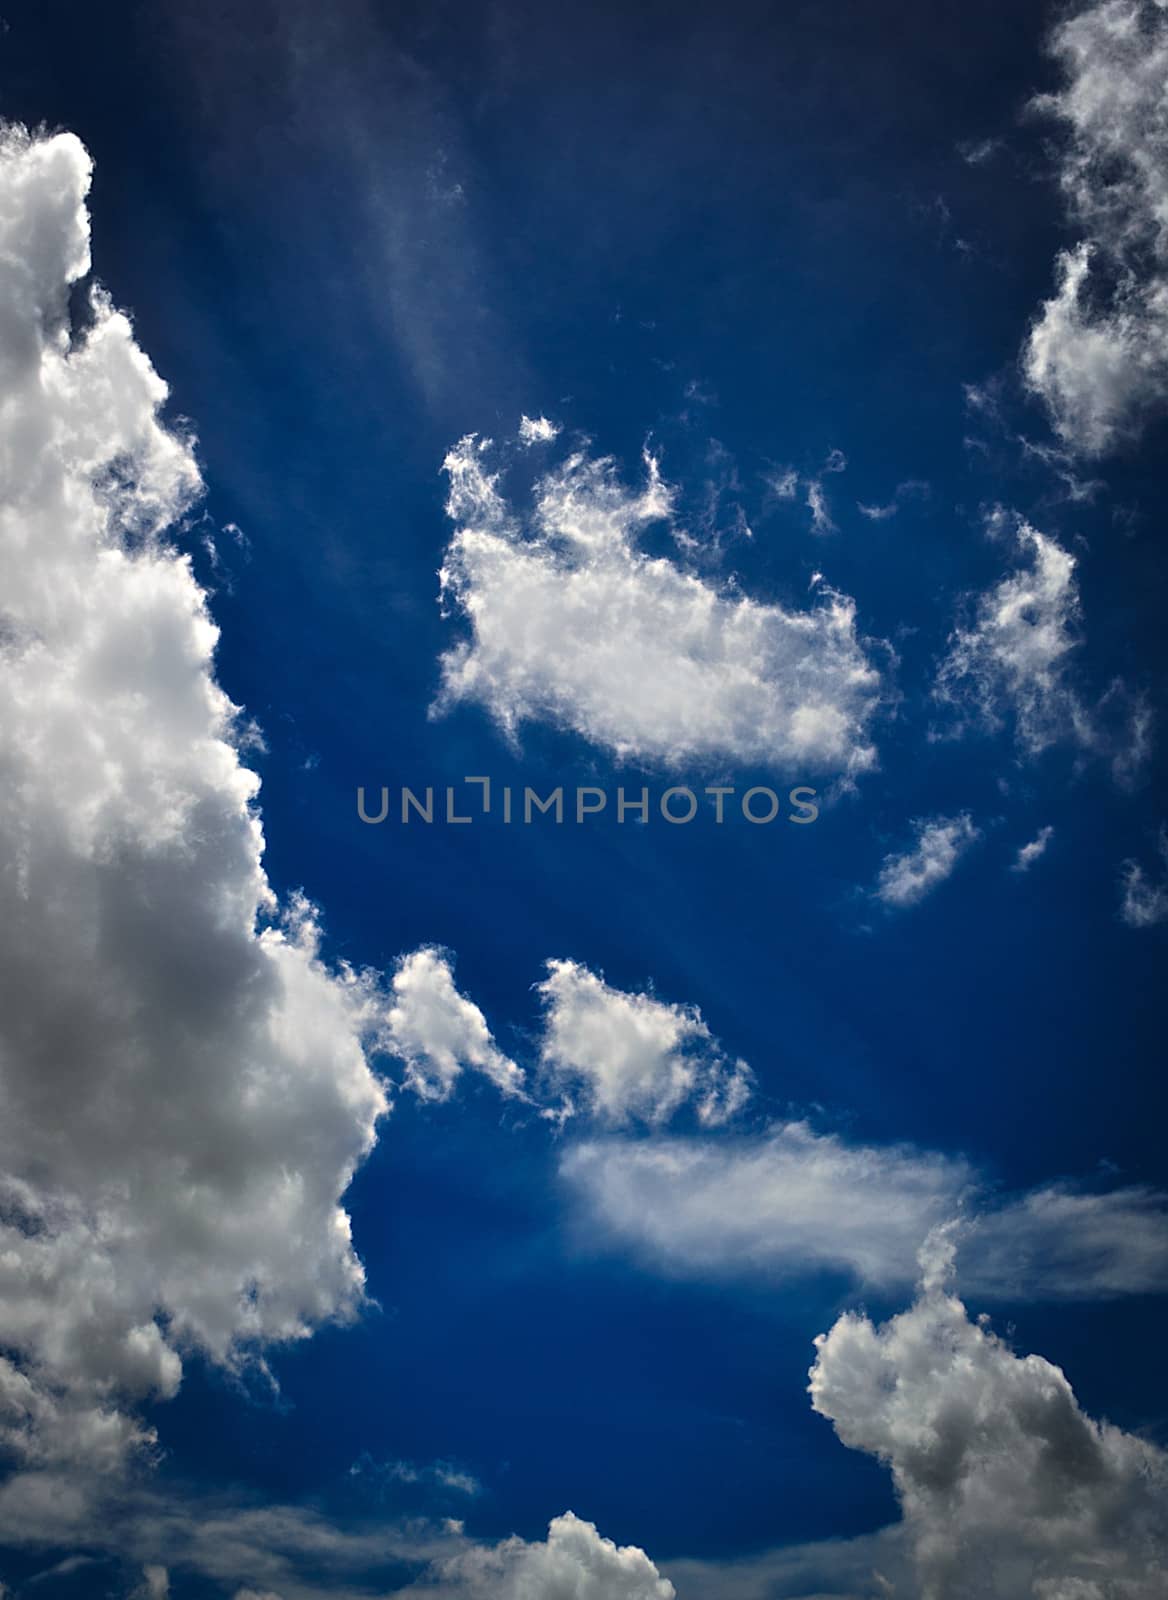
(348,235)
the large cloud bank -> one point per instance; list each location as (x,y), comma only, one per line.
(184,1094)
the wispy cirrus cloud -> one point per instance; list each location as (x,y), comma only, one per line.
(1144,901)
(785,1203)
(792,1201)
(1012,659)
(141,1541)
(910,489)
(1012,663)
(1033,851)
(784,484)
(907,877)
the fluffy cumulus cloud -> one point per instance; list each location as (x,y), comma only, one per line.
(794,1201)
(618,1056)
(601,1053)
(437,1032)
(1144,901)
(1007,1487)
(1098,350)
(184,1092)
(906,878)
(572,623)
(573,1563)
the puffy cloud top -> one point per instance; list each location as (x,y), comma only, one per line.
(573,1563)
(573,624)
(436,1031)
(631,1055)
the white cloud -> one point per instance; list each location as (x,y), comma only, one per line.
(1013,659)
(1032,852)
(785,1204)
(630,1055)
(872,1566)
(974,152)
(1061,463)
(288,1551)
(437,1031)
(783,485)
(155,1584)
(573,624)
(794,1201)
(905,880)
(184,1093)
(573,1563)
(1098,350)
(295,1553)
(603,1053)
(436,1474)
(1007,1488)
(910,489)
(1145,903)
(537,430)
(1058,1242)
(1013,662)
(821,520)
